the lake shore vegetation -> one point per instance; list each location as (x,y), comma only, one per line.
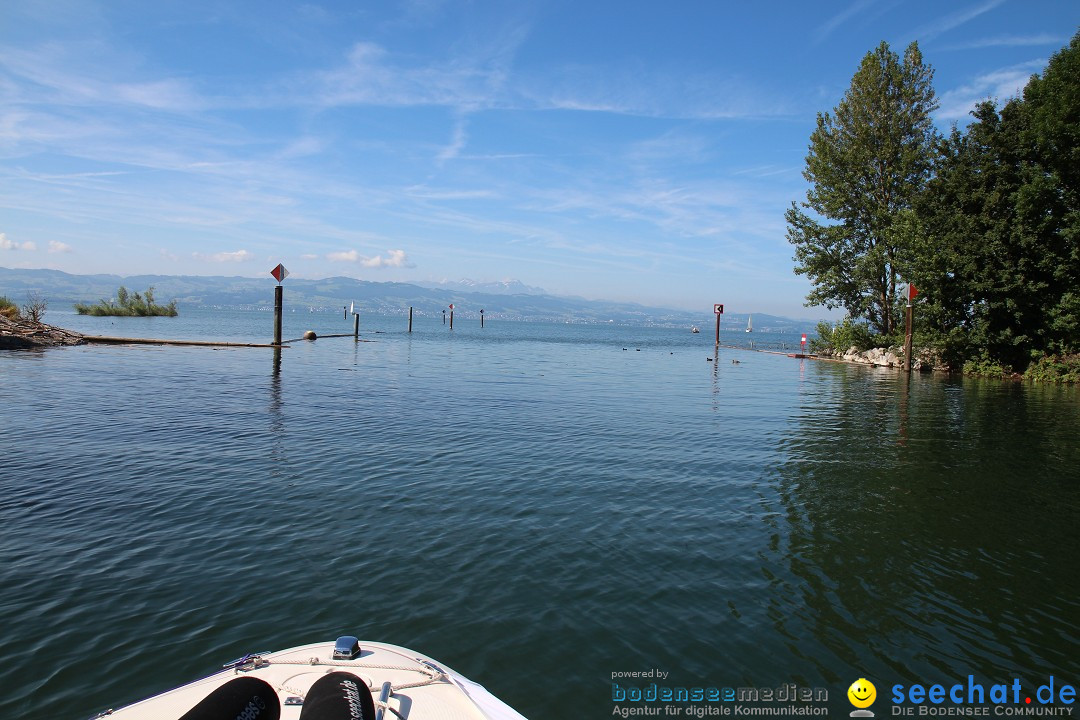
(129,305)
(985,222)
(7,308)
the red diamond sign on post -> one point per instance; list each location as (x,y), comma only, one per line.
(279,273)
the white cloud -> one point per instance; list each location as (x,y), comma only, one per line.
(393,258)
(224,257)
(55,246)
(347,256)
(309,256)
(999,85)
(6,244)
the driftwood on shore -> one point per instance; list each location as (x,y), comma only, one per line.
(21,333)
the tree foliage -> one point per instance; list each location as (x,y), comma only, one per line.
(985,222)
(999,225)
(866,164)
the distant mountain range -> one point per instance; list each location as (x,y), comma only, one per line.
(509,299)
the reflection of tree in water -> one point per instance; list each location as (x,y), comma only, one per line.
(931,530)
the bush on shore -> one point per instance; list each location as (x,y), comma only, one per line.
(1054,369)
(843,336)
(127,305)
(8,309)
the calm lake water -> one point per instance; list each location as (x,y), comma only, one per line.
(539,506)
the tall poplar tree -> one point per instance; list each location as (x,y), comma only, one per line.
(866,164)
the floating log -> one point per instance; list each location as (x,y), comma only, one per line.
(104,340)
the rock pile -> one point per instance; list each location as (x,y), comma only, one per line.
(19,333)
(924,358)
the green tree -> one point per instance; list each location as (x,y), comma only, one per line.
(866,164)
(1052,102)
(1000,223)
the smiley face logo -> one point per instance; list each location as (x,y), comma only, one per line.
(862,693)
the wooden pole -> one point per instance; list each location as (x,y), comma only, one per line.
(410,318)
(909,321)
(356,325)
(481,319)
(717,329)
(277,314)
(451,319)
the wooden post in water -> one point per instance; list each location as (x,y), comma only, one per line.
(277,314)
(909,318)
(481,318)
(718,308)
(909,323)
(410,318)
(443,317)
(356,326)
(451,318)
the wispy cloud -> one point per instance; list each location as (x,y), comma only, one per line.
(371,76)
(955,19)
(486,79)
(1010,41)
(303,147)
(6,244)
(823,31)
(49,70)
(393,258)
(999,85)
(55,247)
(226,257)
(457,143)
(655,91)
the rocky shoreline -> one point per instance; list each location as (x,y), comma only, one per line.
(20,334)
(924,360)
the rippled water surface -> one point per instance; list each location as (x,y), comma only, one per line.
(538,506)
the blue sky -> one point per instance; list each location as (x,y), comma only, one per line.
(630,150)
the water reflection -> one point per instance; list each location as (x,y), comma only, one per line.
(278,455)
(931,530)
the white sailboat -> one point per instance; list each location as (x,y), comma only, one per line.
(750,323)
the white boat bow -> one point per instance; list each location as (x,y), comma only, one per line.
(360,680)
